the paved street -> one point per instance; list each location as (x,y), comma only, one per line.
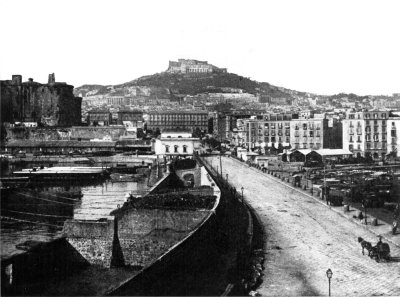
(305,238)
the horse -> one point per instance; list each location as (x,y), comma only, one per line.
(365,245)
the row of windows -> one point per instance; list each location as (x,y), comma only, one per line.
(368,123)
(306,146)
(309,134)
(369,146)
(179,116)
(176,149)
(310,126)
(368,116)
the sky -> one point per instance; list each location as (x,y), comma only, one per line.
(317,46)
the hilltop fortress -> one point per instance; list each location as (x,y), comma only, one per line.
(51,104)
(193,66)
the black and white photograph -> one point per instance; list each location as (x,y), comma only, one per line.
(200,148)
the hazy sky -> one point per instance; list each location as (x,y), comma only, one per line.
(317,46)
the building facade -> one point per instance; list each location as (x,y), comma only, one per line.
(365,133)
(272,131)
(99,117)
(178,120)
(51,104)
(133,116)
(315,133)
(173,143)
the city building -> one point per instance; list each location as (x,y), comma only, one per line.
(195,121)
(271,131)
(316,132)
(192,66)
(131,116)
(225,124)
(393,133)
(176,143)
(51,104)
(365,133)
(99,117)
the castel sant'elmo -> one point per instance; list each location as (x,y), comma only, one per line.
(51,104)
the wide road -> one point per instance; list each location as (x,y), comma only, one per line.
(305,238)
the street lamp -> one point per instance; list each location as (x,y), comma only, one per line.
(365,209)
(329,274)
(242,193)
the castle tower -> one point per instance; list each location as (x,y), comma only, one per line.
(52,78)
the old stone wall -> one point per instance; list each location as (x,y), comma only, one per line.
(86,133)
(196,172)
(143,235)
(92,239)
(146,234)
(37,134)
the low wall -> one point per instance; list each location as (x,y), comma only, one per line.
(27,273)
(146,234)
(92,239)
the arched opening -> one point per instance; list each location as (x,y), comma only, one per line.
(188,179)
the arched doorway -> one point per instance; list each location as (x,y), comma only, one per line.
(189,180)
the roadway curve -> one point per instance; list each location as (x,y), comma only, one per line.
(305,238)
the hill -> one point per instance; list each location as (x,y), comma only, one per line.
(173,84)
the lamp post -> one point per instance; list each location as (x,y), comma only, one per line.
(365,210)
(325,196)
(329,274)
(242,193)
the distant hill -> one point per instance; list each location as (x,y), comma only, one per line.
(192,84)
(173,85)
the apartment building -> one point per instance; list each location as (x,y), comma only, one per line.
(316,133)
(271,131)
(365,133)
(99,117)
(192,120)
(132,116)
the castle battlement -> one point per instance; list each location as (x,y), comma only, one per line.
(193,66)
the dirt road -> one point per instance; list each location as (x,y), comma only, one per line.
(305,238)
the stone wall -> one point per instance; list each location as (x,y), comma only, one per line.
(87,133)
(196,174)
(146,234)
(143,235)
(92,239)
(37,134)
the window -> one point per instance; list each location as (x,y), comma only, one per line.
(185,148)
(175,149)
(350,147)
(167,148)
(351,138)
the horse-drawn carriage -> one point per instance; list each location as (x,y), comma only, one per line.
(379,252)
